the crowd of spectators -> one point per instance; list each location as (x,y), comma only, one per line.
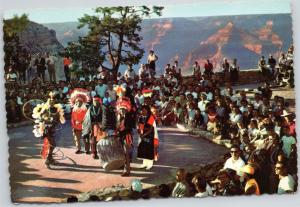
(260,126)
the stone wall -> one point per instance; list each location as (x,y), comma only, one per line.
(245,77)
(119,192)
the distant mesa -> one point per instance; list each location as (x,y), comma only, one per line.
(245,37)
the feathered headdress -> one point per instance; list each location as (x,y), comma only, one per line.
(123,103)
(120,90)
(147,92)
(79,93)
(97,99)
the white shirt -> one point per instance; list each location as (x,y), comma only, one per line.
(11,76)
(152,57)
(202,105)
(235,118)
(286,183)
(19,101)
(129,74)
(253,132)
(257,104)
(234,165)
(202,195)
(243,109)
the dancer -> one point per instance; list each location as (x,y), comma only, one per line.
(124,130)
(92,125)
(79,98)
(149,138)
(47,116)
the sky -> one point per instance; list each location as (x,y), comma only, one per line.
(206,8)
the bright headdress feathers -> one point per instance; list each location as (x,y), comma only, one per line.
(79,93)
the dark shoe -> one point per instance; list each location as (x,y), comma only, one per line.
(78,152)
(96,157)
(47,162)
(88,152)
(125,174)
(50,161)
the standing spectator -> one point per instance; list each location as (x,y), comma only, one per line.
(262,66)
(22,69)
(67,62)
(110,90)
(152,58)
(129,73)
(234,72)
(142,71)
(51,67)
(41,68)
(272,63)
(282,60)
(196,70)
(32,68)
(101,89)
(208,69)
(177,69)
(225,67)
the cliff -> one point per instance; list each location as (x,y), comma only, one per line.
(37,38)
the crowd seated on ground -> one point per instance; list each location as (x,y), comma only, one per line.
(260,128)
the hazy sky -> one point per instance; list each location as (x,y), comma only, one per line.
(207,8)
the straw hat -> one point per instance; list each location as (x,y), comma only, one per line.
(285,113)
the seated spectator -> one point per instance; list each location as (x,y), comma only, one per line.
(288,142)
(251,186)
(201,186)
(235,162)
(286,181)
